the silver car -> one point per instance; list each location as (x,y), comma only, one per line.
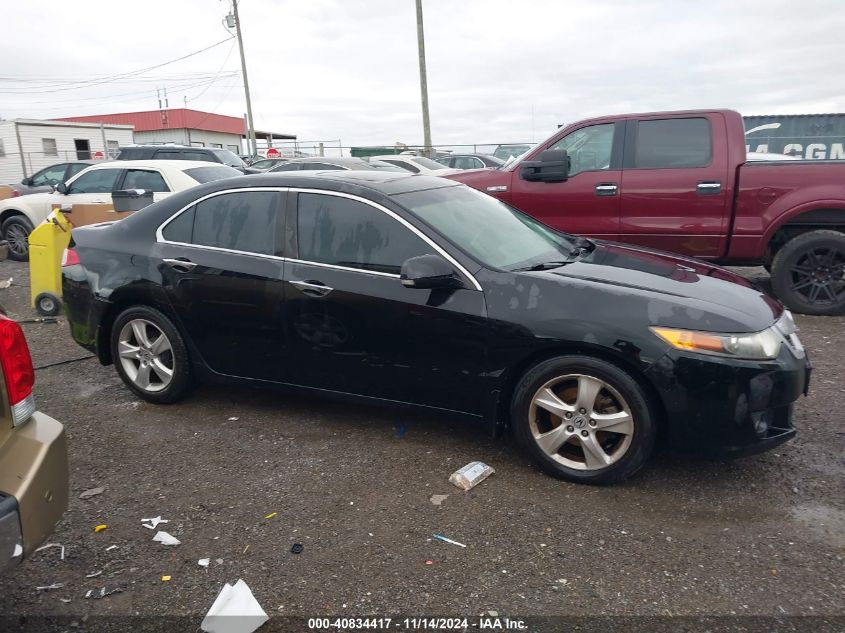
(49,177)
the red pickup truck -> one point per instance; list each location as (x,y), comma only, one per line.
(679,181)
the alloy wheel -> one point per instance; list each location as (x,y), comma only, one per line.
(581,422)
(146,355)
(819,275)
(18,239)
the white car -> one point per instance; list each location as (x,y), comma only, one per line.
(415,164)
(18,216)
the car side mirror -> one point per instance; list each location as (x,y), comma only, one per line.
(27,182)
(553,166)
(429,271)
(62,188)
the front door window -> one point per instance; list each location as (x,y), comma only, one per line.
(589,148)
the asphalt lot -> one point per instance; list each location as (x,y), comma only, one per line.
(759,536)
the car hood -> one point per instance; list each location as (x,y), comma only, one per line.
(674,291)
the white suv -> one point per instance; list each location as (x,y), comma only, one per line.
(18,216)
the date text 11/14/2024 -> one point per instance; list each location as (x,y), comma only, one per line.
(488,623)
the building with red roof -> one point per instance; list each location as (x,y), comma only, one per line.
(184,126)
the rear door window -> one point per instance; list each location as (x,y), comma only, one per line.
(144,179)
(240,221)
(673,143)
(343,232)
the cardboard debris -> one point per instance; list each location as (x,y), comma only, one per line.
(234,611)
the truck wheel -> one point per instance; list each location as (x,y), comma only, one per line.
(583,419)
(16,232)
(808,273)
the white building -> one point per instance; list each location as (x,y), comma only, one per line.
(27,145)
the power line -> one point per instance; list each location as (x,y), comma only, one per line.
(173,86)
(231,48)
(112,78)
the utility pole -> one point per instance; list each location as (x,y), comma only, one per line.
(250,141)
(423,81)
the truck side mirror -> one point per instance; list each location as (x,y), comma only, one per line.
(553,166)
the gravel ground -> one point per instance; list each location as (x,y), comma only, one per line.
(760,536)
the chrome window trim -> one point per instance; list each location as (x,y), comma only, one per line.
(161,240)
(163,225)
(401,220)
(336,267)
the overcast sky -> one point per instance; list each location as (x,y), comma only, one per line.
(498,70)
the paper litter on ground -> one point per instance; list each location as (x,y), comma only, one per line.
(234,611)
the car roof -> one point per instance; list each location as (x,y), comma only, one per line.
(384,182)
(344,160)
(181,165)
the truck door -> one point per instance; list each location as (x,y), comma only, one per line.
(588,202)
(675,184)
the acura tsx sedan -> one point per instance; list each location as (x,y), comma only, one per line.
(415,290)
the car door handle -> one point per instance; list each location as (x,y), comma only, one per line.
(313,288)
(708,188)
(607,189)
(181,264)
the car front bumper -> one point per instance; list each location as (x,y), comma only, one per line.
(730,408)
(33,486)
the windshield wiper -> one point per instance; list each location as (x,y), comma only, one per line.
(581,246)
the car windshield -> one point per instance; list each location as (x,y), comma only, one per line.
(229,158)
(427,162)
(495,234)
(212,172)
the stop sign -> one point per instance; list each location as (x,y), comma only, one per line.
(99,155)
(273,153)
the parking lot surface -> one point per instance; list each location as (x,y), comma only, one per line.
(352,484)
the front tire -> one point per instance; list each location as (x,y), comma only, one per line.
(808,273)
(150,355)
(16,230)
(583,419)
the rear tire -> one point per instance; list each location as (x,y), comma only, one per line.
(808,273)
(150,355)
(16,230)
(583,419)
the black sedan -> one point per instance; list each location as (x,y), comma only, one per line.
(416,290)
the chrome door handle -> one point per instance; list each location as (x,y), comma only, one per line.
(182,265)
(708,188)
(313,288)
(607,189)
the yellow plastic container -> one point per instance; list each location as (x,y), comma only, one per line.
(47,243)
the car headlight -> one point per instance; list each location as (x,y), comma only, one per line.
(763,345)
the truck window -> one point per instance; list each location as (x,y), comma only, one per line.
(677,143)
(589,148)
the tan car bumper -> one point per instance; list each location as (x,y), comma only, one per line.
(33,486)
